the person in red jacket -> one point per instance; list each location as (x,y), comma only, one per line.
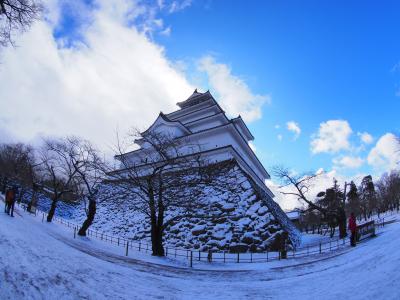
(10,201)
(353,229)
(7,200)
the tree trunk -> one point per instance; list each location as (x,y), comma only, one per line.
(52,210)
(156,227)
(342,228)
(32,202)
(156,241)
(342,223)
(89,219)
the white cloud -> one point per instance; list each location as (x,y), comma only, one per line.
(235,95)
(280,137)
(385,156)
(332,137)
(294,127)
(277,126)
(349,162)
(365,137)
(166,31)
(176,6)
(116,78)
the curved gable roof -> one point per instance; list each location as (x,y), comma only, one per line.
(163,120)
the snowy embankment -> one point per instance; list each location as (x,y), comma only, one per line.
(43,261)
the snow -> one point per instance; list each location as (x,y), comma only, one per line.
(44,261)
(293,215)
(251,211)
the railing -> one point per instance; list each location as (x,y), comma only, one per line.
(193,256)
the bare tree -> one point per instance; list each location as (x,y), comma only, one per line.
(60,162)
(301,185)
(17,162)
(157,175)
(90,174)
(17,16)
(19,165)
(388,191)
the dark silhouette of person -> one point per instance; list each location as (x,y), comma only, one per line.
(8,196)
(11,196)
(353,229)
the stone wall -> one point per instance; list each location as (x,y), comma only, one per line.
(242,218)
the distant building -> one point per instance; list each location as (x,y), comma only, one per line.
(295,216)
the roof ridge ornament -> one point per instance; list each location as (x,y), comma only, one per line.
(195,98)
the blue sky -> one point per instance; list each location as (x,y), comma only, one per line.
(328,69)
(318,61)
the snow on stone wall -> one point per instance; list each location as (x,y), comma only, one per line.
(243,218)
(239,219)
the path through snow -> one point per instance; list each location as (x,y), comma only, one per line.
(43,261)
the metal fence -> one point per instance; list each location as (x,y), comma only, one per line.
(196,256)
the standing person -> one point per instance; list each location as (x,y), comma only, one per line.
(13,198)
(7,199)
(353,229)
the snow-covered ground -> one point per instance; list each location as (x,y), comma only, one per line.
(44,261)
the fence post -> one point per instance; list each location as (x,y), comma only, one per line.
(175,252)
(199,255)
(251,257)
(166,252)
(74,232)
(267,255)
(42,217)
(320,248)
(118,241)
(127,245)
(238,257)
(140,245)
(224,256)
(191,258)
(330,246)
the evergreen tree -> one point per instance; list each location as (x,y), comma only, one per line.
(332,202)
(368,196)
(353,200)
